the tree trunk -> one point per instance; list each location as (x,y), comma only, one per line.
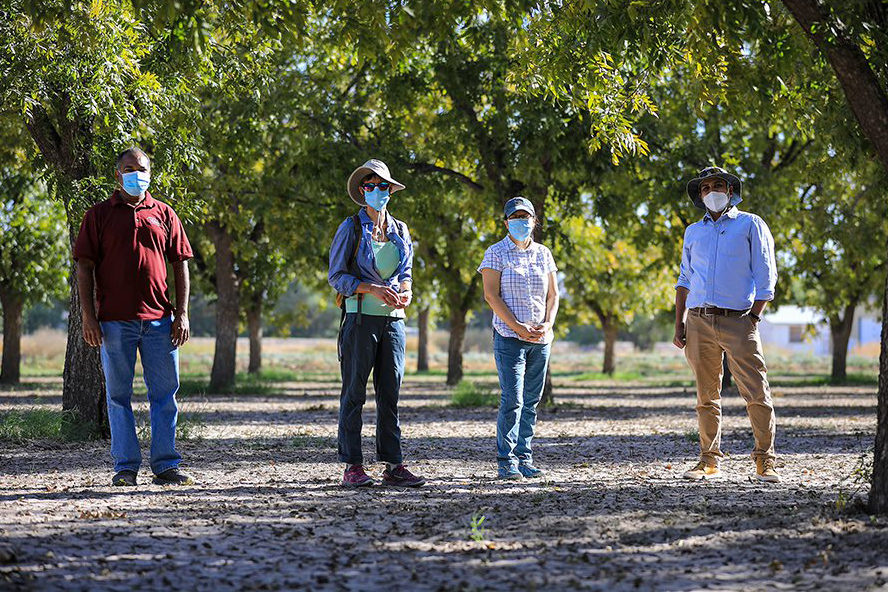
(548,397)
(864,94)
(83,390)
(254,327)
(610,328)
(227,309)
(67,146)
(840,333)
(422,354)
(455,346)
(869,103)
(878,498)
(10,368)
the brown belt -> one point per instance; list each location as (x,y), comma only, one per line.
(708,311)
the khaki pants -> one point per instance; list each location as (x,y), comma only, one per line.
(707,338)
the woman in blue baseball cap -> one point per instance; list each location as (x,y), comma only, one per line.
(521,287)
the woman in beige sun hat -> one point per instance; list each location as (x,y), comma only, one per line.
(371,262)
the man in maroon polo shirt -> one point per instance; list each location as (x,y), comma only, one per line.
(122,252)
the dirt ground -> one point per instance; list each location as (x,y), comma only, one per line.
(611,514)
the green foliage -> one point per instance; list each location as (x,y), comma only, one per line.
(477,532)
(468,394)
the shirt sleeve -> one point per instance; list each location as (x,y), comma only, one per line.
(87,244)
(491,260)
(343,246)
(178,247)
(406,274)
(762,260)
(550,262)
(684,274)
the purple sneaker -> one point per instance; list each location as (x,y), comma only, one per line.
(356,477)
(401,477)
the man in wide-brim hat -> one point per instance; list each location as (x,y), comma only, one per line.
(728,274)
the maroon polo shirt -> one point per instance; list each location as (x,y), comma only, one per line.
(130,246)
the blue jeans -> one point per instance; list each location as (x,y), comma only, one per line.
(522,374)
(160,368)
(376,344)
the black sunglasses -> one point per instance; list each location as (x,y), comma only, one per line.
(371,186)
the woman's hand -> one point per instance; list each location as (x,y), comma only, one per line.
(405,297)
(528,332)
(387,295)
(543,329)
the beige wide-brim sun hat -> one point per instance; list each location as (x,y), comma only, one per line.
(372,166)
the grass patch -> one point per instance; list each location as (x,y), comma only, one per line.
(827,380)
(618,375)
(189,426)
(31,424)
(469,394)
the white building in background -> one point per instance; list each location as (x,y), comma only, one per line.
(805,330)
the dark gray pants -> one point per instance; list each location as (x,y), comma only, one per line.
(377,344)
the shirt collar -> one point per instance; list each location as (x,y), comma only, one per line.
(116,200)
(390,221)
(510,244)
(732,214)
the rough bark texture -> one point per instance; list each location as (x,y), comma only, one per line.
(869,103)
(83,391)
(254,328)
(10,368)
(422,352)
(67,145)
(610,328)
(840,333)
(455,346)
(864,94)
(548,397)
(878,499)
(227,309)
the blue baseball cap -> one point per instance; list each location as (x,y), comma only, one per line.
(518,203)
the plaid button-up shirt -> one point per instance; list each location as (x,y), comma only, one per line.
(524,283)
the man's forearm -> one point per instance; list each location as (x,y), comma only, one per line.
(758,307)
(183,287)
(86,291)
(681,299)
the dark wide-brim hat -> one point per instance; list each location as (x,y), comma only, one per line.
(371,167)
(707,173)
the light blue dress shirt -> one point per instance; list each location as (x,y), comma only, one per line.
(728,263)
(346,281)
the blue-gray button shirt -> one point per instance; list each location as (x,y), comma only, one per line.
(728,263)
(344,280)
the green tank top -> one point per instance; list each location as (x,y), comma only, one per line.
(387,260)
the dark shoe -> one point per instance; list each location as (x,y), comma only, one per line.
(401,477)
(509,474)
(124,478)
(356,477)
(172,477)
(530,471)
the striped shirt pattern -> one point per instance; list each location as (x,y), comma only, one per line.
(524,282)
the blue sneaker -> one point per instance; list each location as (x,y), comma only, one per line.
(530,471)
(509,474)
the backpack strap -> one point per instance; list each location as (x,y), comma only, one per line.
(356,227)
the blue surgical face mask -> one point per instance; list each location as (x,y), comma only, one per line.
(520,228)
(136,182)
(377,198)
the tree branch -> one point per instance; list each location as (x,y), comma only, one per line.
(424,167)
